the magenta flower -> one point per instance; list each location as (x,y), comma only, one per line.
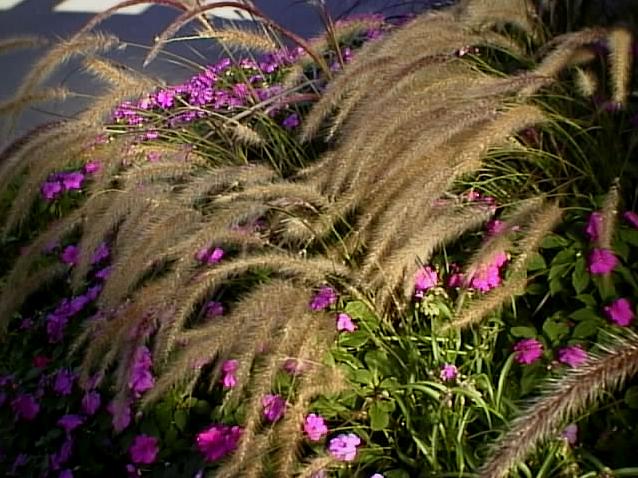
(60,457)
(218,441)
(572,355)
(101,253)
(214,309)
(424,279)
(70,255)
(345,323)
(144,449)
(291,122)
(91,402)
(344,447)
(456,278)
(92,167)
(72,181)
(141,378)
(324,298)
(570,433)
(601,261)
(293,366)
(274,407)
(209,255)
(63,382)
(449,372)
(620,312)
(631,217)
(70,422)
(528,351)
(25,407)
(51,189)
(594,226)
(229,367)
(315,427)
(488,276)
(495,227)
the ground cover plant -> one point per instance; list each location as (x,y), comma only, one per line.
(400,249)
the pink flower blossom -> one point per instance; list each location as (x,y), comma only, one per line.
(214,309)
(209,255)
(631,217)
(488,276)
(229,367)
(92,167)
(274,407)
(344,447)
(424,279)
(345,323)
(594,226)
(572,355)
(141,378)
(25,407)
(620,312)
(70,422)
(101,253)
(63,382)
(324,298)
(570,433)
(91,402)
(449,372)
(144,449)
(456,278)
(72,181)
(601,261)
(315,427)
(495,227)
(528,351)
(70,255)
(218,441)
(51,189)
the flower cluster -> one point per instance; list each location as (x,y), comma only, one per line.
(218,441)
(62,182)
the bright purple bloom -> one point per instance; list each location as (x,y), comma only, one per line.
(25,407)
(528,351)
(92,167)
(315,427)
(51,189)
(218,441)
(214,309)
(620,312)
(488,276)
(570,433)
(291,122)
(424,279)
(72,181)
(594,226)
(602,261)
(209,255)
(631,217)
(274,407)
(165,98)
(63,382)
(102,252)
(70,255)
(91,402)
(495,227)
(141,378)
(344,447)
(572,355)
(324,298)
(449,372)
(103,274)
(293,366)
(229,367)
(70,422)
(456,278)
(144,449)
(345,323)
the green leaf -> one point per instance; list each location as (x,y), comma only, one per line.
(629,236)
(555,330)
(555,286)
(387,405)
(587,328)
(355,339)
(536,262)
(180,418)
(553,241)
(583,314)
(362,376)
(580,276)
(631,397)
(564,257)
(378,360)
(359,310)
(587,299)
(523,332)
(379,418)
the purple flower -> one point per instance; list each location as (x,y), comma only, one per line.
(70,422)
(72,181)
(570,433)
(601,261)
(103,274)
(528,351)
(620,312)
(315,427)
(424,279)
(92,167)
(209,255)
(229,367)
(59,458)
(70,255)
(488,276)
(218,441)
(102,252)
(631,217)
(594,226)
(214,309)
(344,447)
(25,407)
(293,366)
(324,298)
(63,382)
(291,122)
(66,473)
(495,227)
(274,407)
(572,355)
(141,378)
(51,189)
(144,449)
(91,402)
(165,98)
(449,372)
(345,323)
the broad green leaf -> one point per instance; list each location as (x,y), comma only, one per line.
(180,418)
(362,376)
(555,286)
(630,236)
(583,314)
(555,330)
(379,418)
(536,262)
(553,241)
(580,276)
(523,332)
(377,359)
(566,256)
(587,299)
(586,328)
(631,397)
(355,339)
